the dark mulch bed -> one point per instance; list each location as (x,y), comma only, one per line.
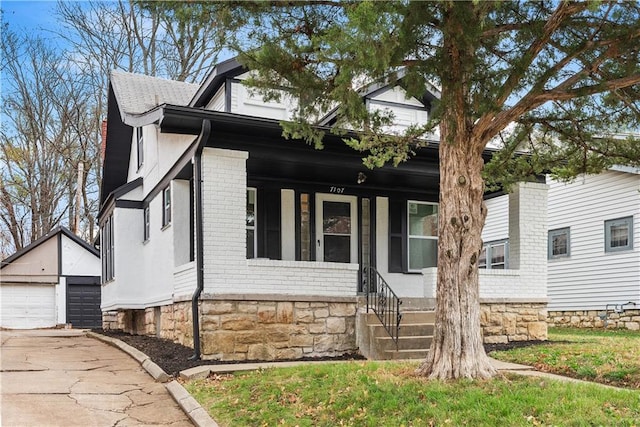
(173,357)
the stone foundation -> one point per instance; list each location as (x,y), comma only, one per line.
(250,330)
(502,322)
(628,319)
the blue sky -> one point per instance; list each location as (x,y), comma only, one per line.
(29,15)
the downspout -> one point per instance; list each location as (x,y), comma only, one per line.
(197,176)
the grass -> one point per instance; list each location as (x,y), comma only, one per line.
(389,394)
(605,356)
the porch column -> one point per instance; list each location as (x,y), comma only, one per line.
(528,235)
(224,194)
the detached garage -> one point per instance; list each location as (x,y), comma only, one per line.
(53,281)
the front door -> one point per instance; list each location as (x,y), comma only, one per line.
(336,228)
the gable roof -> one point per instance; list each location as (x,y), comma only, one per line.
(215,79)
(136,94)
(53,233)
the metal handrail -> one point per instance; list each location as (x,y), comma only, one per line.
(383,301)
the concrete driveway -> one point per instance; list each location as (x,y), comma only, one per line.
(61,377)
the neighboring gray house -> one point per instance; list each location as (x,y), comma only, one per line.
(53,281)
(208,212)
(593,248)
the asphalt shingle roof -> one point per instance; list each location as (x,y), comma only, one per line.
(137,94)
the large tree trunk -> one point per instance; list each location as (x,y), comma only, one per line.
(456,350)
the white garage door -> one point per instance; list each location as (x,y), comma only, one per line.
(27,306)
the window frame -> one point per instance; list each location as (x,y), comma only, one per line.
(609,224)
(555,233)
(139,146)
(253,227)
(146,223)
(107,248)
(166,206)
(422,237)
(488,247)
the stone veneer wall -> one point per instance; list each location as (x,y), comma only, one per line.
(628,319)
(502,322)
(250,330)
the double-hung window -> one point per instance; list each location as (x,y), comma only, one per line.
(494,255)
(107,248)
(423,235)
(559,243)
(166,206)
(139,146)
(251,223)
(618,234)
(147,223)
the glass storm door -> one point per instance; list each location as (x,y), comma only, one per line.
(336,228)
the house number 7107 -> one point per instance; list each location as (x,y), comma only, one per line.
(337,190)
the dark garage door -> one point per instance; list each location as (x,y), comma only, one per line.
(83,302)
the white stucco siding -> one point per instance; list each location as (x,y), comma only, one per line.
(161,151)
(158,251)
(590,277)
(127,287)
(77,261)
(496,226)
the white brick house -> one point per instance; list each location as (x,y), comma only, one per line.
(206,209)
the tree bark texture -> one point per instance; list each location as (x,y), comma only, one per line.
(457,350)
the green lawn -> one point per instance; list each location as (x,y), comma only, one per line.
(389,394)
(604,356)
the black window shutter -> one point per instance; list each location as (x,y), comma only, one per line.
(397,235)
(269,245)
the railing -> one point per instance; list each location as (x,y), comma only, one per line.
(383,301)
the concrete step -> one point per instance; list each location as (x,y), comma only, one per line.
(417,354)
(408,317)
(406,329)
(404,343)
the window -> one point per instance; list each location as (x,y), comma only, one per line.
(494,255)
(559,243)
(423,235)
(139,146)
(251,223)
(305,227)
(618,234)
(147,222)
(166,206)
(107,248)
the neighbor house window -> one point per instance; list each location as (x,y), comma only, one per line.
(251,223)
(107,249)
(147,223)
(494,255)
(139,146)
(423,234)
(166,206)
(559,243)
(618,234)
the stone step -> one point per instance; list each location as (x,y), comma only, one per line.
(417,354)
(404,343)
(406,329)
